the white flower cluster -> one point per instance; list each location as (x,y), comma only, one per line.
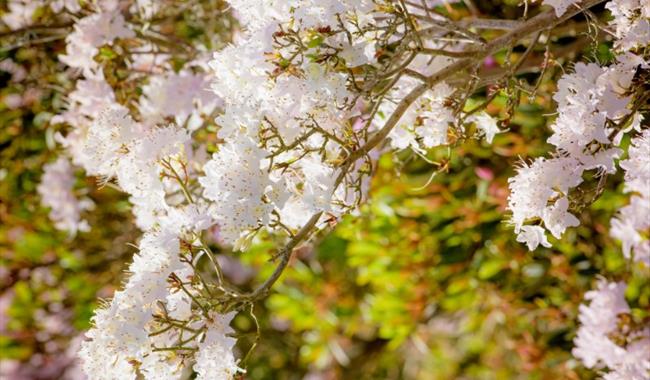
(605,340)
(540,191)
(590,103)
(21,13)
(425,124)
(182,97)
(301,91)
(105,139)
(283,106)
(631,22)
(159,325)
(634,219)
(150,329)
(92,32)
(214,359)
(57,192)
(132,335)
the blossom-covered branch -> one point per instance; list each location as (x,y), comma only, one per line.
(272,121)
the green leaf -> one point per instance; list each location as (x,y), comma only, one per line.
(490,269)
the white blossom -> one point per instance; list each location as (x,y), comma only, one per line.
(214,359)
(586,99)
(90,33)
(557,217)
(57,192)
(533,236)
(633,219)
(239,187)
(599,321)
(631,22)
(534,185)
(426,122)
(21,13)
(176,95)
(107,140)
(486,124)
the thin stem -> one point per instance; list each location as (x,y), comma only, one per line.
(175,348)
(542,21)
(35,29)
(257,336)
(284,255)
(447,53)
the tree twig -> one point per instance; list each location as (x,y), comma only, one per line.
(540,22)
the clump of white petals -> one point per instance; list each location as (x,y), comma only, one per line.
(538,191)
(57,192)
(241,190)
(116,146)
(486,124)
(120,338)
(631,22)
(90,33)
(182,97)
(633,219)
(533,236)
(215,359)
(126,339)
(425,124)
(586,99)
(599,322)
(21,13)
(254,178)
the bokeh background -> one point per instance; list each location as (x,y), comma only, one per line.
(425,282)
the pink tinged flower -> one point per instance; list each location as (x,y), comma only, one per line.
(484,173)
(489,62)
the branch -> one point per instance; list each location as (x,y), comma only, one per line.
(490,23)
(35,29)
(285,255)
(535,25)
(447,53)
(538,23)
(531,63)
